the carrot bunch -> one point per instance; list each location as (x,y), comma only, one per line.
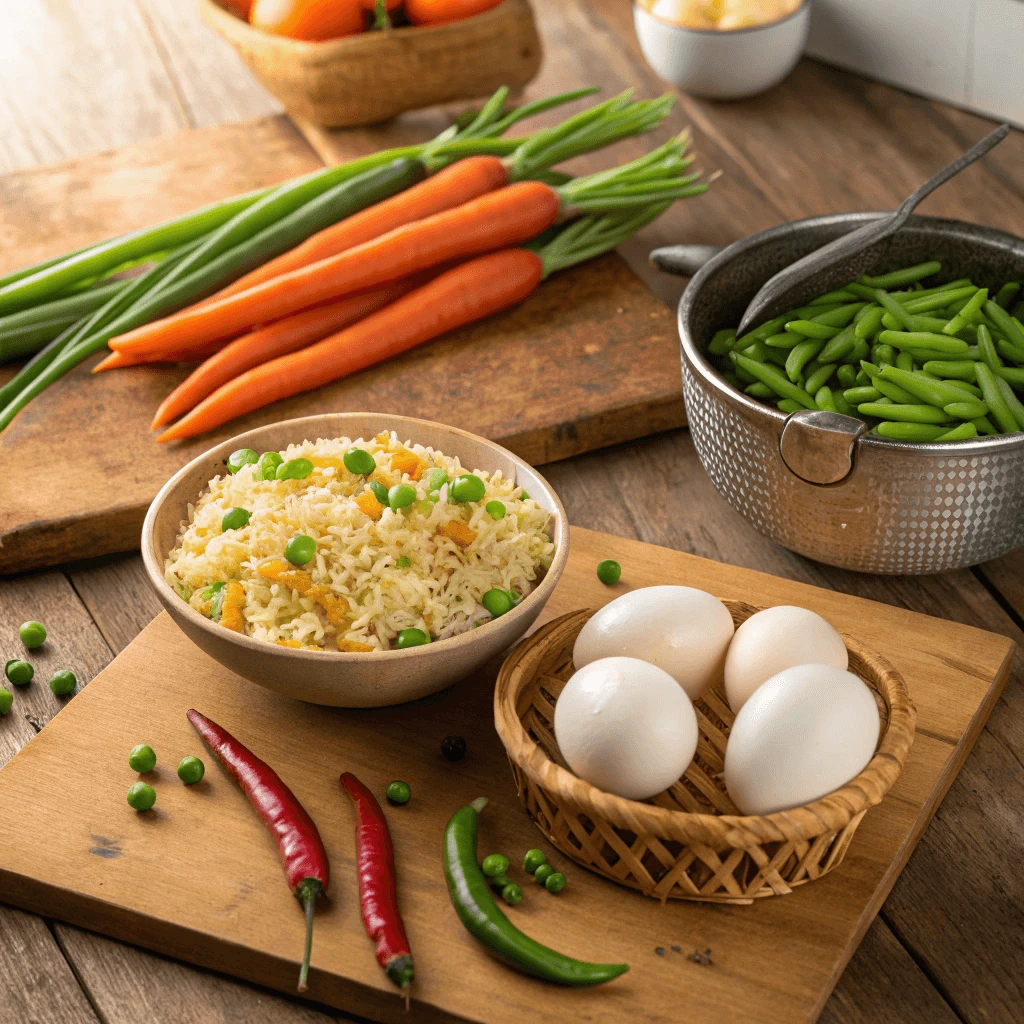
(455,248)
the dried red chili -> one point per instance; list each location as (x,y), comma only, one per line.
(378,893)
(298,842)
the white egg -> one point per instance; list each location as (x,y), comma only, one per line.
(626,727)
(774,639)
(682,630)
(802,734)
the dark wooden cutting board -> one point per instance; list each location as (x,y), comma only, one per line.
(590,360)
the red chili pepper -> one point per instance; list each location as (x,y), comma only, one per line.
(378,896)
(298,842)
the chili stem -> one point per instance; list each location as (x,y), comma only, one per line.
(309,905)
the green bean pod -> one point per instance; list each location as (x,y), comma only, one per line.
(839,346)
(916,433)
(916,341)
(969,311)
(722,342)
(1013,403)
(785,340)
(819,378)
(1007,325)
(787,405)
(812,329)
(903,413)
(903,277)
(871,323)
(964,432)
(904,361)
(840,295)
(477,910)
(937,300)
(778,382)
(924,389)
(800,356)
(993,397)
(965,410)
(984,426)
(839,317)
(1007,294)
(847,376)
(759,390)
(858,395)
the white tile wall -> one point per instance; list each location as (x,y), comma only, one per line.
(966,52)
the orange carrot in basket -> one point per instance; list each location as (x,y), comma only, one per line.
(456,184)
(456,297)
(500,219)
(276,339)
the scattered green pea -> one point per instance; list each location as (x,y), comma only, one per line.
(300,549)
(142,758)
(6,700)
(234,519)
(359,461)
(609,571)
(494,864)
(294,469)
(467,487)
(19,672)
(555,882)
(533,860)
(401,496)
(63,682)
(191,770)
(33,634)
(403,562)
(399,792)
(243,457)
(512,894)
(266,468)
(495,509)
(412,637)
(380,492)
(541,873)
(141,797)
(497,602)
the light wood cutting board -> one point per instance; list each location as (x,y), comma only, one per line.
(591,359)
(199,879)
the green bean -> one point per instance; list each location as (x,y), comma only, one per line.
(921,323)
(840,295)
(993,397)
(847,376)
(988,349)
(871,322)
(766,330)
(925,389)
(785,340)
(863,379)
(1007,294)
(787,405)
(899,278)
(819,378)
(965,432)
(958,369)
(1018,311)
(839,346)
(757,351)
(970,309)
(882,354)
(890,390)
(777,381)
(859,395)
(904,361)
(937,300)
(811,329)
(800,356)
(1006,324)
(841,403)
(823,399)
(776,356)
(984,426)
(1013,403)
(965,410)
(722,342)
(919,433)
(732,379)
(903,413)
(1015,355)
(913,341)
(839,317)
(960,282)
(890,305)
(758,390)
(745,378)
(861,350)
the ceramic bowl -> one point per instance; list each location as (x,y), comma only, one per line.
(370,679)
(723,65)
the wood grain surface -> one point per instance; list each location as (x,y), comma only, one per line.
(121,872)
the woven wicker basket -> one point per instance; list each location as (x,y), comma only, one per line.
(689,842)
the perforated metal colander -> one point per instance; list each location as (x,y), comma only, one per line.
(813,481)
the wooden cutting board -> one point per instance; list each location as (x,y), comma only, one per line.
(592,359)
(198,878)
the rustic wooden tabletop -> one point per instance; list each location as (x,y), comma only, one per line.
(948,945)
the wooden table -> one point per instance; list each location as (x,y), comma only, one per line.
(948,944)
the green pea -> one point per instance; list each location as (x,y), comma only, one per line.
(142,759)
(294,469)
(359,461)
(494,864)
(467,487)
(399,792)
(191,770)
(19,672)
(6,700)
(555,882)
(438,478)
(499,881)
(401,496)
(411,638)
(403,562)
(33,634)
(497,602)
(63,682)
(523,496)
(300,549)
(234,519)
(609,571)
(266,468)
(380,492)
(542,873)
(243,457)
(495,509)
(533,860)
(141,797)
(512,894)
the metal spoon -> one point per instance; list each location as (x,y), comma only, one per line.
(768,300)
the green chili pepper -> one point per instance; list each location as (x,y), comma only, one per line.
(478,911)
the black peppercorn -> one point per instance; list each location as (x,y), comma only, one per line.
(453,748)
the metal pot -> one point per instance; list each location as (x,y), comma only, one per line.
(814,481)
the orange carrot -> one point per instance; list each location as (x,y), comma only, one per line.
(500,219)
(454,185)
(456,297)
(119,360)
(276,339)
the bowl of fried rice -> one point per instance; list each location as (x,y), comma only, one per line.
(355,559)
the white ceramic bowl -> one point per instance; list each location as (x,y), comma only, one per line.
(723,65)
(371,679)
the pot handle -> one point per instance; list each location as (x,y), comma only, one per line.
(817,445)
(684,260)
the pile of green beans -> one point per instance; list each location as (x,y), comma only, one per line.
(920,364)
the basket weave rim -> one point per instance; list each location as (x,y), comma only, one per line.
(826,815)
